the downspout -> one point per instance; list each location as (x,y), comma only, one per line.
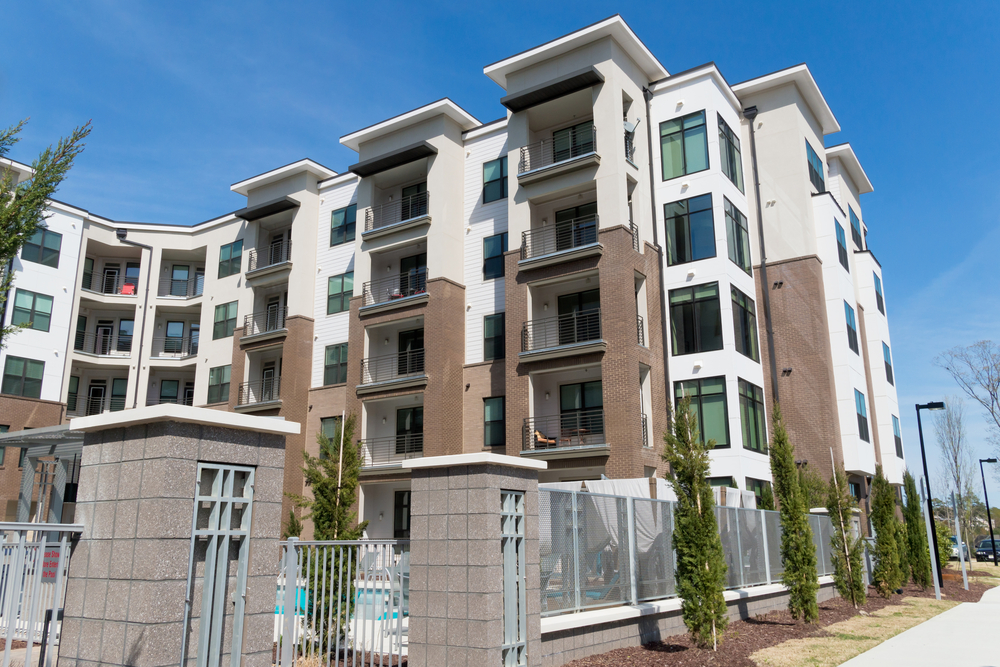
(121,232)
(750,113)
(665,335)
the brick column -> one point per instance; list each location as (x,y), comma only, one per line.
(456,566)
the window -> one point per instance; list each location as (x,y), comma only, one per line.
(855,489)
(169,390)
(752,417)
(339,290)
(842,246)
(328,427)
(729,151)
(745,325)
(43,248)
(32,309)
(230,257)
(4,428)
(684,145)
(898,436)
(22,377)
(343,224)
(856,229)
(571,142)
(72,394)
(495,180)
(335,364)
(401,515)
(23,457)
(493,249)
(887,356)
(758,486)
(493,337)
(738,236)
(852,328)
(879,299)
(225,320)
(708,401)
(695,319)
(494,432)
(690,229)
(218,384)
(727,482)
(859,402)
(815,168)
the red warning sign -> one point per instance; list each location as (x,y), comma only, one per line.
(50,563)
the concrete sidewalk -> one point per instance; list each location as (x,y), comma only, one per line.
(965,636)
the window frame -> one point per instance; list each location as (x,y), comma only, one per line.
(737,236)
(752,406)
(879,297)
(502,179)
(745,324)
(340,367)
(349,227)
(488,422)
(40,252)
(674,229)
(22,379)
(228,323)
(842,246)
(487,339)
(855,228)
(344,296)
(887,358)
(226,266)
(817,175)
(31,312)
(219,372)
(489,261)
(679,385)
(898,436)
(696,317)
(852,328)
(862,409)
(683,144)
(753,484)
(729,144)
(401,500)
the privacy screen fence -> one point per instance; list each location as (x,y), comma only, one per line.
(601,550)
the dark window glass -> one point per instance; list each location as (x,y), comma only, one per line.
(574,141)
(879,299)
(727,482)
(493,337)
(842,246)
(401,515)
(339,290)
(335,364)
(898,436)
(493,249)
(887,356)
(328,427)
(22,377)
(494,431)
(690,229)
(708,401)
(758,486)
(169,390)
(576,226)
(72,394)
(695,319)
(856,229)
(752,417)
(409,430)
(729,151)
(745,325)
(859,401)
(225,320)
(32,309)
(230,258)
(684,145)
(43,248)
(852,328)
(218,384)
(737,236)
(495,180)
(815,169)
(343,224)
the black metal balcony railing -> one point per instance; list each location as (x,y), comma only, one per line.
(103,344)
(390,213)
(83,406)
(559,237)
(174,346)
(395,448)
(184,289)
(579,428)
(109,284)
(634,228)
(259,391)
(180,400)
(551,151)
(630,147)
(645,431)
(392,366)
(640,329)
(566,329)
(395,287)
(272,319)
(276,253)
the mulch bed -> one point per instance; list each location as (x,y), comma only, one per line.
(16,644)
(743,638)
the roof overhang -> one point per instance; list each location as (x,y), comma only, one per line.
(59,441)
(396,158)
(550,90)
(614,27)
(184,414)
(268,177)
(852,165)
(23,171)
(708,69)
(267,208)
(806,84)
(442,107)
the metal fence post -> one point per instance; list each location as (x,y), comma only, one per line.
(290,571)
(633,556)
(15,581)
(739,545)
(576,555)
(767,556)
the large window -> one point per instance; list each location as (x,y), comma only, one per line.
(852,328)
(856,229)
(570,142)
(758,486)
(887,356)
(897,434)
(859,402)
(495,180)
(225,320)
(343,225)
(738,236)
(842,246)
(328,427)
(745,325)
(879,299)
(493,337)
(43,248)
(494,431)
(695,319)
(32,309)
(684,145)
(230,256)
(72,394)
(815,168)
(729,151)
(752,417)
(708,401)
(690,229)
(493,249)
(338,293)
(335,364)
(218,384)
(22,377)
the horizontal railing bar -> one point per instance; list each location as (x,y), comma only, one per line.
(40,527)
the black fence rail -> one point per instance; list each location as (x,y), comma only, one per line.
(634,228)
(640,330)
(395,287)
(395,448)
(565,329)
(579,141)
(103,344)
(579,428)
(645,430)
(276,253)
(82,406)
(183,289)
(391,213)
(272,319)
(561,236)
(173,346)
(109,283)
(392,366)
(259,391)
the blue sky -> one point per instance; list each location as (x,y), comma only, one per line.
(187,98)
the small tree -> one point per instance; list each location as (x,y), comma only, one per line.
(944,544)
(916,534)
(814,488)
(798,552)
(848,573)
(887,575)
(903,546)
(701,565)
(766,499)
(293,527)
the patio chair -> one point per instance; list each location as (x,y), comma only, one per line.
(541,442)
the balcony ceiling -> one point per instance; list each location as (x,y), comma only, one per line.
(393,159)
(267,208)
(579,80)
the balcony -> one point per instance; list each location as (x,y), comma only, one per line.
(640,330)
(396,291)
(550,157)
(575,433)
(562,336)
(391,451)
(391,217)
(266,324)
(109,283)
(645,430)
(181,289)
(173,347)
(395,371)
(562,242)
(269,265)
(103,344)
(259,395)
(84,406)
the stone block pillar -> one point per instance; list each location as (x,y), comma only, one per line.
(129,573)
(456,564)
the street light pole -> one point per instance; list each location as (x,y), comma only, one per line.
(989,517)
(938,405)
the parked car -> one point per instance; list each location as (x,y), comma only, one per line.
(984,552)
(954,549)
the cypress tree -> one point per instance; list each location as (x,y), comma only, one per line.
(887,575)
(293,527)
(701,565)
(798,552)
(766,499)
(916,534)
(848,573)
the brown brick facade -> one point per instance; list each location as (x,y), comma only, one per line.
(483,380)
(18,413)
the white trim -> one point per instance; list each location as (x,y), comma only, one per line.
(484,130)
(845,153)
(478,458)
(710,70)
(185,414)
(442,106)
(804,81)
(339,179)
(321,173)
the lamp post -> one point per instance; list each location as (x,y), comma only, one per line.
(989,517)
(934,405)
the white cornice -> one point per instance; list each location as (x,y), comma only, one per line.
(806,84)
(307,165)
(845,153)
(186,414)
(441,107)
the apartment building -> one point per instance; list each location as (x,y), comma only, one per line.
(540,285)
